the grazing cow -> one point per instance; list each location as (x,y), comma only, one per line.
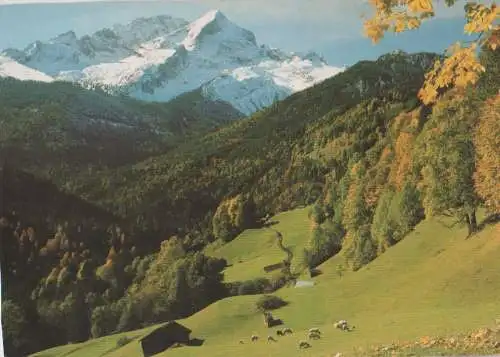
(342,324)
(304,344)
(314,336)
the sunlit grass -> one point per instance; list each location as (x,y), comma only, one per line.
(435,282)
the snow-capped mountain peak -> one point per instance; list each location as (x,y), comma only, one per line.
(159,58)
(66,52)
(209,24)
(214,31)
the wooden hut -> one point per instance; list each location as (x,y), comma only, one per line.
(165,337)
(272,267)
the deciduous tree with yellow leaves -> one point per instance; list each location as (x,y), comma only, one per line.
(461,66)
(487,143)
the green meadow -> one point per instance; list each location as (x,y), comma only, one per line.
(433,283)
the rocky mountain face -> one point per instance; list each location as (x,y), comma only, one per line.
(159,58)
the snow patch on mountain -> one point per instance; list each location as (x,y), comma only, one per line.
(245,90)
(11,68)
(249,89)
(128,70)
(159,58)
(66,53)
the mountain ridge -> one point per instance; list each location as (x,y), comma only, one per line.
(159,58)
(63,128)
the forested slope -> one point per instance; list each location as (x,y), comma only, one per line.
(359,147)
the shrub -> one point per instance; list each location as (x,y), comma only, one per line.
(254,287)
(122,341)
(270,302)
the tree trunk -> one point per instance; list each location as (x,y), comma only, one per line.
(471,223)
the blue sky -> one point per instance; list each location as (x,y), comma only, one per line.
(331,27)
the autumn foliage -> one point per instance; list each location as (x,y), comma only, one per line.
(487,144)
(403,159)
(461,66)
(232,216)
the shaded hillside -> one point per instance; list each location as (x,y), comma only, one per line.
(33,215)
(27,201)
(257,155)
(42,201)
(58,128)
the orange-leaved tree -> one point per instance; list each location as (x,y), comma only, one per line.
(461,66)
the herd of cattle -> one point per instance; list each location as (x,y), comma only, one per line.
(312,334)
